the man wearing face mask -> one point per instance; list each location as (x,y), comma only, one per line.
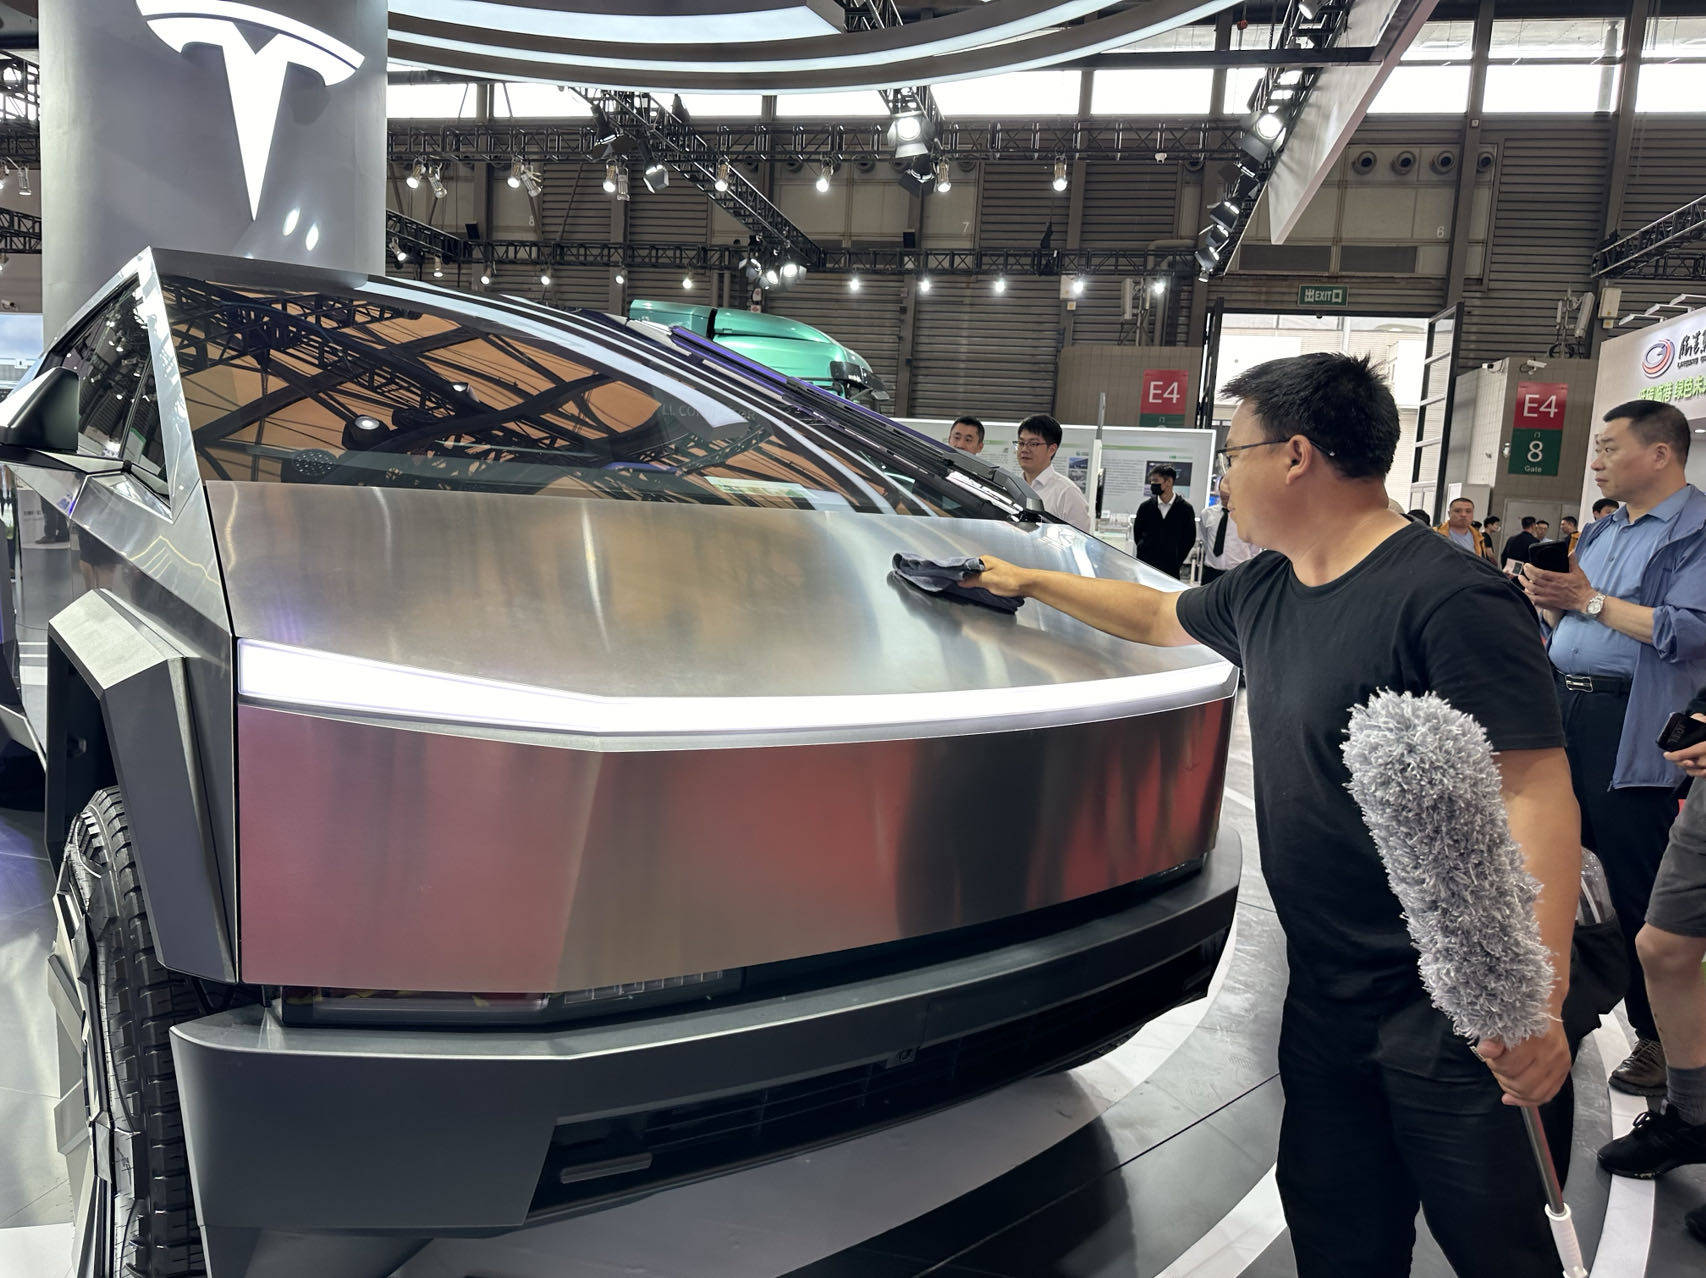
(1165,527)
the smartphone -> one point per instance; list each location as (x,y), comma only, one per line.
(1681,731)
(1553,556)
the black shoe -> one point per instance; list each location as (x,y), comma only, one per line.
(1658,1143)
(1643,1073)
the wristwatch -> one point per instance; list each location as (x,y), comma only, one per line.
(1593,606)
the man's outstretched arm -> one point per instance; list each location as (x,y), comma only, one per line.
(1122,608)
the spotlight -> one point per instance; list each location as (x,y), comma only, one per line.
(622,184)
(515,170)
(435,179)
(522,176)
(1077,289)
(398,251)
(610,178)
(722,182)
(24,182)
(790,270)
(416,175)
(923,283)
(853,285)
(824,171)
(365,422)
(1000,285)
(437,264)
(909,135)
(771,279)
(944,177)
(486,277)
(545,277)
(657,177)
(1059,182)
(1208,258)
(621,278)
(1226,215)
(1269,126)
(1159,287)
(1216,237)
(687,282)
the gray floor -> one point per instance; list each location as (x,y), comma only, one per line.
(1154,1161)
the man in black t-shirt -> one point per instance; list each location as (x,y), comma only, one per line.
(1386,1109)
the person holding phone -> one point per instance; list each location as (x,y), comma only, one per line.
(1672,947)
(1628,645)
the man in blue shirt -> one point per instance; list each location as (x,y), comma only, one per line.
(1629,648)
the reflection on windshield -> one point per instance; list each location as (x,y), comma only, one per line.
(308,387)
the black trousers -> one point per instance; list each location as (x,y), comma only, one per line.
(1209,574)
(1627,829)
(1385,1112)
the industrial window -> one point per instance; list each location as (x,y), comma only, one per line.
(861,104)
(1553,66)
(1673,67)
(429,101)
(722,106)
(522,100)
(1152,91)
(1015,95)
(1433,78)
(1241,82)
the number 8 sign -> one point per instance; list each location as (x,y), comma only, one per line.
(1537,427)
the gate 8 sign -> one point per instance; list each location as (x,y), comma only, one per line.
(1537,427)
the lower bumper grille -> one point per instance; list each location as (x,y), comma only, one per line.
(593,1163)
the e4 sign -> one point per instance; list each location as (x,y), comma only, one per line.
(1164,401)
(1537,427)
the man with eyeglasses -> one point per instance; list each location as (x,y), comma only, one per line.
(1386,1108)
(1039,441)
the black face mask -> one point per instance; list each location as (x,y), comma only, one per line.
(1155,489)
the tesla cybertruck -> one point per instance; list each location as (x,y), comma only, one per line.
(492,773)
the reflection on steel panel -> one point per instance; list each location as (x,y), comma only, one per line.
(378,857)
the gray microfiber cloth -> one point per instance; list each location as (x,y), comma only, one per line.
(943,577)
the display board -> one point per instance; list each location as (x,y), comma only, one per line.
(1666,362)
(1128,453)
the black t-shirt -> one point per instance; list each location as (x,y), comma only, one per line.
(1416,615)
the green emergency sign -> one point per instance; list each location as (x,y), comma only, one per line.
(1323,295)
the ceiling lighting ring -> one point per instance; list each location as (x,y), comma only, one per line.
(878,71)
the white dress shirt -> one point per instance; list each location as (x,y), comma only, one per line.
(1237,549)
(1062,498)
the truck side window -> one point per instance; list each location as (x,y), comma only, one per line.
(118,413)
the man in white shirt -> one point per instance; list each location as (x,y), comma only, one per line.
(1222,548)
(1039,441)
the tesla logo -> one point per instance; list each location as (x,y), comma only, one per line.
(259,47)
(1657,359)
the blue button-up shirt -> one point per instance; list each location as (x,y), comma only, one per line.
(1614,563)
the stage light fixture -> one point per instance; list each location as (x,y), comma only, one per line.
(923,283)
(1216,237)
(1000,285)
(1077,287)
(1269,126)
(622,184)
(853,284)
(621,278)
(790,271)
(436,263)
(417,175)
(722,182)
(485,277)
(909,135)
(771,278)
(1159,287)
(687,282)
(1226,215)
(545,277)
(515,168)
(435,179)
(398,251)
(657,177)
(1059,182)
(610,178)
(944,177)
(824,172)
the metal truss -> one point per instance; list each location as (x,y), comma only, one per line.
(757,142)
(19,232)
(421,242)
(1649,253)
(668,137)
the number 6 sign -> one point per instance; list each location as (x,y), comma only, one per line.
(1537,427)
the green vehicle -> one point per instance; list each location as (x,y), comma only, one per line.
(786,345)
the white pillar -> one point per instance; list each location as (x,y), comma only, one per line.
(258,130)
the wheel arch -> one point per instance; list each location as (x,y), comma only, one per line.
(118,713)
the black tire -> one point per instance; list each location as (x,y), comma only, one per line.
(136,1215)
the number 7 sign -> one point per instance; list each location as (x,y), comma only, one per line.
(1537,427)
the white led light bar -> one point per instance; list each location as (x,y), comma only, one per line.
(304,679)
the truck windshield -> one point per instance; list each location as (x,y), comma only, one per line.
(339,388)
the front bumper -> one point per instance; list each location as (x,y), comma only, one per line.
(435,1132)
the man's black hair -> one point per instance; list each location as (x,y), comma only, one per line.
(1655,423)
(1569,519)
(1527,522)
(1604,504)
(1420,516)
(1455,500)
(1494,519)
(1166,472)
(972,422)
(1044,425)
(1337,402)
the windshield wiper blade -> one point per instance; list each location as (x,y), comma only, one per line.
(991,483)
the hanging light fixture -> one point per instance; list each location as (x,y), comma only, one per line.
(790,271)
(853,284)
(436,263)
(1059,182)
(417,175)
(923,283)
(610,178)
(545,277)
(722,182)
(687,281)
(944,177)
(1000,285)
(435,179)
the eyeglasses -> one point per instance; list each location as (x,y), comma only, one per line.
(1032,443)
(1224,455)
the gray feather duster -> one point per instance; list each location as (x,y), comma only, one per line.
(1423,774)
